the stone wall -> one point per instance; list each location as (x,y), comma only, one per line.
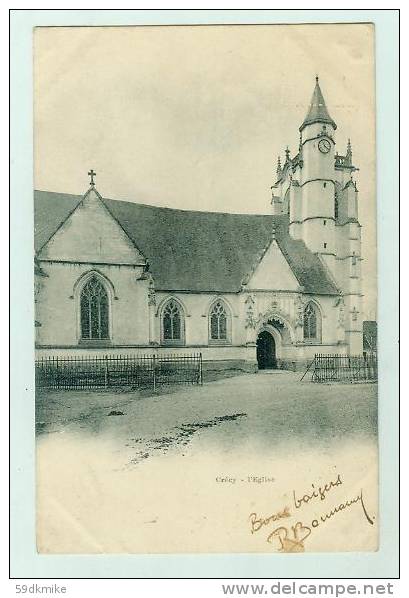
(58,303)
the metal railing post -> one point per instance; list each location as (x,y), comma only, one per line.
(200,370)
(106,371)
(154,371)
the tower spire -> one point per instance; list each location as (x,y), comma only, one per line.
(317,112)
(349,152)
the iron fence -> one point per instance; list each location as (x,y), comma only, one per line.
(345,368)
(118,370)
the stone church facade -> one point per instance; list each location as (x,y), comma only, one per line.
(114,277)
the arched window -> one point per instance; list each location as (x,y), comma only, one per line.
(172,323)
(312,322)
(218,322)
(94,310)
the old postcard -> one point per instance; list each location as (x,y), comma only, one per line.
(205,289)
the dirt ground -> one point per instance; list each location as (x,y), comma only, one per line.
(100,452)
(272,407)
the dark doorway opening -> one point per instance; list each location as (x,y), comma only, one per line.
(266,351)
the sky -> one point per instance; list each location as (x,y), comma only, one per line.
(195,117)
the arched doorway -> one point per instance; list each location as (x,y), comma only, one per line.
(266,351)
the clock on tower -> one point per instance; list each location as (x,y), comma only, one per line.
(324,146)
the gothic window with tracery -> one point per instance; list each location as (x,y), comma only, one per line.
(172,322)
(218,322)
(311,322)
(94,310)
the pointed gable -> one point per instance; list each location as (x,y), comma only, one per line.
(273,272)
(90,234)
(317,112)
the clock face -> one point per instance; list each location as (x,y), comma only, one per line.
(324,146)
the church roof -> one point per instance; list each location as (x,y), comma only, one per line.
(317,112)
(194,251)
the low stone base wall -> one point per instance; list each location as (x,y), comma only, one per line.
(294,365)
(230,364)
(251,367)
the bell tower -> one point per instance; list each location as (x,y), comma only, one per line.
(315,223)
(316,189)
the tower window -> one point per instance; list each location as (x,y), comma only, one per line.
(325,223)
(325,245)
(325,184)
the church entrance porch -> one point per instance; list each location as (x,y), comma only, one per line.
(266,351)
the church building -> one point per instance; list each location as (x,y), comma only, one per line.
(266,291)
